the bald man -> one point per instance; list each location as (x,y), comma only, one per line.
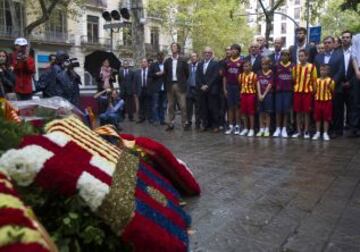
(254,57)
(209,84)
(264,50)
(275,57)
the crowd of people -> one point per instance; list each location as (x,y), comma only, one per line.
(297,92)
(17,75)
(305,91)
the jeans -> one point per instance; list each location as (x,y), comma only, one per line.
(110,118)
(159,104)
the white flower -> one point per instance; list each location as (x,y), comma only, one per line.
(103,164)
(24,164)
(92,190)
(59,138)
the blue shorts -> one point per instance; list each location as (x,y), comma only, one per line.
(267,105)
(233,95)
(283,102)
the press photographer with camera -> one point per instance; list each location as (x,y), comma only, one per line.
(7,76)
(24,68)
(68,80)
(47,80)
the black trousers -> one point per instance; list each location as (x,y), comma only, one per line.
(340,101)
(210,110)
(193,108)
(145,102)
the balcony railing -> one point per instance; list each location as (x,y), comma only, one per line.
(52,37)
(8,32)
(97,3)
(102,43)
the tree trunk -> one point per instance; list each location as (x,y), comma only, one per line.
(138,31)
(268,28)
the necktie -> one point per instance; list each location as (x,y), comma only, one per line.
(144,78)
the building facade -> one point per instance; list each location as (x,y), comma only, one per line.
(79,35)
(282,26)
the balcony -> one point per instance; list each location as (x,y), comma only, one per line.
(97,3)
(8,32)
(53,37)
(95,43)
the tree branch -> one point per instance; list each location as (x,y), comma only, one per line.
(276,5)
(264,9)
(46,12)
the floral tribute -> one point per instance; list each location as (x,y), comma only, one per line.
(19,229)
(137,201)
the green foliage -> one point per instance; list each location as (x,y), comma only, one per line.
(203,22)
(12,133)
(71,224)
(335,21)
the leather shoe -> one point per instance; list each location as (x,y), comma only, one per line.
(170,127)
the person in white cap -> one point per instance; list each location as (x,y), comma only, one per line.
(24,68)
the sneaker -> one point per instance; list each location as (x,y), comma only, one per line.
(244,132)
(306,135)
(277,132)
(230,130)
(316,136)
(266,134)
(251,133)
(296,135)
(237,130)
(284,133)
(260,133)
(326,137)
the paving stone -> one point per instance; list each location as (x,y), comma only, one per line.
(268,194)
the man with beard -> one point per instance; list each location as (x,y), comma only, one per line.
(300,43)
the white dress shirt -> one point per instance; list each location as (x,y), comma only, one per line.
(174,67)
(161,66)
(144,77)
(347,55)
(206,64)
(327,56)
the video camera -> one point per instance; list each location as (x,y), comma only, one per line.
(71,63)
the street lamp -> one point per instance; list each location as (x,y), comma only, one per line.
(115,21)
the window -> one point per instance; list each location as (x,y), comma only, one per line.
(6,25)
(297,13)
(284,41)
(297,2)
(56,26)
(283,28)
(92,29)
(154,37)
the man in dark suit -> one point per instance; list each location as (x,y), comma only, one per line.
(127,89)
(209,83)
(300,43)
(276,56)
(336,61)
(176,75)
(144,91)
(159,101)
(348,76)
(254,57)
(192,93)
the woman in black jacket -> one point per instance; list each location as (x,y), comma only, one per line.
(7,76)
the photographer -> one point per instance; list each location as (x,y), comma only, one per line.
(47,81)
(115,106)
(24,68)
(68,82)
(7,77)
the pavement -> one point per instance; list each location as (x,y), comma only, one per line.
(267,194)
